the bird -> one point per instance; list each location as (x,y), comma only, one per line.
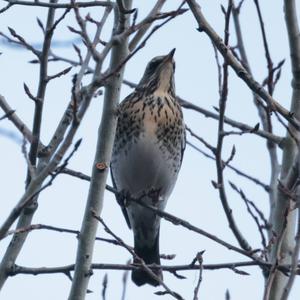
(146,158)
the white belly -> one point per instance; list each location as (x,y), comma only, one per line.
(144,167)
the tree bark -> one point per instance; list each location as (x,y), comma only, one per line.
(106,133)
(283,249)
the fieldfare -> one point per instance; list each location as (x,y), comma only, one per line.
(147,155)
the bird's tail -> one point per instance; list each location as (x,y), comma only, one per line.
(150,255)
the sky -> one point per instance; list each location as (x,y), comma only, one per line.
(193,199)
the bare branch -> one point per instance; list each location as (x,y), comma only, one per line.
(30,167)
(238,68)
(34,227)
(177,221)
(60,5)
(37,119)
(219,162)
(169,217)
(141,32)
(23,42)
(31,194)
(125,282)
(168,16)
(59,74)
(282,224)
(295,256)
(129,267)
(7,115)
(200,261)
(20,125)
(29,94)
(206,144)
(137,258)
(104,286)
(123,10)
(105,138)
(242,126)
(188,105)
(218,68)
(272,273)
(270,82)
(254,217)
(237,171)
(25,219)
(9,5)
(78,96)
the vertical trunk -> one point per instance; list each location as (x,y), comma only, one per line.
(106,133)
(25,219)
(284,249)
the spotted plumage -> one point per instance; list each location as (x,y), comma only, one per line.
(147,155)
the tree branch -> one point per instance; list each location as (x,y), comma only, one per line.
(237,67)
(242,126)
(16,270)
(137,258)
(219,162)
(60,5)
(140,33)
(280,221)
(25,219)
(20,125)
(98,179)
(262,112)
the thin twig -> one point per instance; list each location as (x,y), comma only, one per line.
(129,267)
(60,5)
(32,184)
(125,282)
(31,193)
(274,265)
(199,258)
(171,218)
(25,44)
(206,144)
(263,114)
(270,82)
(242,126)
(238,68)
(104,286)
(295,255)
(168,16)
(237,171)
(7,115)
(34,227)
(254,217)
(137,258)
(218,68)
(177,221)
(140,33)
(2,10)
(219,162)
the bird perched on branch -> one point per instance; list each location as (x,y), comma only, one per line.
(147,155)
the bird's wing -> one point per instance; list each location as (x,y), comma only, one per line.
(183,144)
(121,199)
(120,196)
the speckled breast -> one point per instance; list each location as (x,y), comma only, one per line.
(149,144)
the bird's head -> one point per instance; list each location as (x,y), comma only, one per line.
(159,74)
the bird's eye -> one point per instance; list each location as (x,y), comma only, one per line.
(153,65)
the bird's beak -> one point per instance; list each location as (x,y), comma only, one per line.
(169,56)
